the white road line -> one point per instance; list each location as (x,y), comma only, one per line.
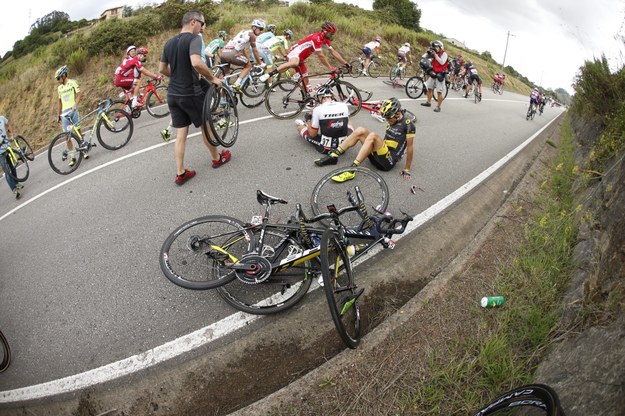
(210,333)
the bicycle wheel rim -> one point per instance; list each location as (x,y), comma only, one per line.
(350,95)
(114,129)
(340,290)
(19,169)
(156,102)
(373,70)
(224,118)
(365,94)
(193,255)
(539,397)
(327,192)
(356,71)
(25,146)
(393,74)
(207,111)
(278,292)
(5,353)
(254,92)
(414,87)
(285,105)
(60,153)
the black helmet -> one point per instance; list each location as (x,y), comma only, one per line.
(390,107)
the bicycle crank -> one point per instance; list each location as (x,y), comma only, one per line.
(252,269)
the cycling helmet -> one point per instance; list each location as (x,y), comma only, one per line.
(377,39)
(324,91)
(328,26)
(437,43)
(407,44)
(222,34)
(390,107)
(64,70)
(271,27)
(288,33)
(142,50)
(131,47)
(259,24)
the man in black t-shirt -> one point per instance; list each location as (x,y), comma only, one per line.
(181,61)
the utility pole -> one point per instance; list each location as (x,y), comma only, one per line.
(503,66)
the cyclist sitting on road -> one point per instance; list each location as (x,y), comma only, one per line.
(69,97)
(304,48)
(403,55)
(128,73)
(214,47)
(6,135)
(437,74)
(328,125)
(370,49)
(472,75)
(383,153)
(236,51)
(275,45)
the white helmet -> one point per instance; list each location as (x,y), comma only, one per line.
(407,44)
(259,24)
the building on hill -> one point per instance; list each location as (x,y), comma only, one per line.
(114,13)
(455,42)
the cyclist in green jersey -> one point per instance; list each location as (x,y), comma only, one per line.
(213,50)
(69,97)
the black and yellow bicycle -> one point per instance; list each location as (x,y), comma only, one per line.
(17,155)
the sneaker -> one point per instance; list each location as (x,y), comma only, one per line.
(299,122)
(224,157)
(263,77)
(437,110)
(329,159)
(188,174)
(465,96)
(426,104)
(85,155)
(16,193)
(19,186)
(320,280)
(344,177)
(72,162)
(364,74)
(64,156)
(166,134)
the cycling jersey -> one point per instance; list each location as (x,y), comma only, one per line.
(372,45)
(241,40)
(332,121)
(534,97)
(275,43)
(130,67)
(264,37)
(67,94)
(395,143)
(213,46)
(311,43)
(403,49)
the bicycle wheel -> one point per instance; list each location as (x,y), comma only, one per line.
(356,68)
(5,353)
(156,102)
(415,87)
(340,289)
(19,169)
(349,94)
(253,92)
(25,146)
(210,102)
(327,192)
(365,94)
(285,99)
(63,156)
(374,69)
(533,113)
(394,73)
(223,117)
(532,399)
(114,129)
(197,254)
(280,290)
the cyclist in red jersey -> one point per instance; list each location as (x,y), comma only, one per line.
(304,48)
(128,73)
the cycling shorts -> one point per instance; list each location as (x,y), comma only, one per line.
(401,57)
(234,57)
(367,52)
(475,77)
(126,83)
(383,158)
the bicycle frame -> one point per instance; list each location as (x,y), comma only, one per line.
(144,90)
(100,112)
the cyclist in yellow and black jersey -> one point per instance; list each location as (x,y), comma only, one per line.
(382,153)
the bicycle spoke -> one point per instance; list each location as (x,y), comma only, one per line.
(63,154)
(114,129)
(285,105)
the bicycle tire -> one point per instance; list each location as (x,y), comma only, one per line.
(393,74)
(340,289)
(415,87)
(253,92)
(327,192)
(5,353)
(207,115)
(517,401)
(26,148)
(349,94)
(284,102)
(188,260)
(280,291)
(365,94)
(356,65)
(156,102)
(114,129)
(59,155)
(374,69)
(224,117)
(19,170)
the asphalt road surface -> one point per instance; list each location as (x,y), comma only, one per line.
(80,283)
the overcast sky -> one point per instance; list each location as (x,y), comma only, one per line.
(550,39)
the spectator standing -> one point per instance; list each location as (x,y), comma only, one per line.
(437,76)
(6,134)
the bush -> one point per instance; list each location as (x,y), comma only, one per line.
(77,61)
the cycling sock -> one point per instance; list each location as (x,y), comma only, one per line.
(356,163)
(340,150)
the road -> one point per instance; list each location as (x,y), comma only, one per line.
(80,284)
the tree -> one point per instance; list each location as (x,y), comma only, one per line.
(406,12)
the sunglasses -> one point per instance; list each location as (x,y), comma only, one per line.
(201,22)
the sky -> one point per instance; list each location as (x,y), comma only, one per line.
(549,39)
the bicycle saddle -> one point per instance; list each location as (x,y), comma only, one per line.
(265,199)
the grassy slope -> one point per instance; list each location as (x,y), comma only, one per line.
(29,98)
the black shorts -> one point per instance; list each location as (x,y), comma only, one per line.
(384,159)
(185,110)
(474,77)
